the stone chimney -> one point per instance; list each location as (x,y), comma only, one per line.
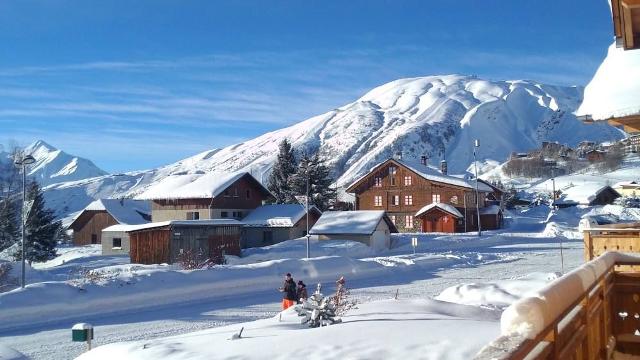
(423,160)
(443,167)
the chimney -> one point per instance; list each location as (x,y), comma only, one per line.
(443,167)
(399,155)
(423,160)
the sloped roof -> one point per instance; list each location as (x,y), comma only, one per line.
(428,173)
(277,215)
(195,186)
(361,222)
(582,194)
(444,207)
(490,210)
(124,211)
(206,222)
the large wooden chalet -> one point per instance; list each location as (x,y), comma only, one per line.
(209,196)
(419,198)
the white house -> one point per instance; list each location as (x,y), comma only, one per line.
(370,227)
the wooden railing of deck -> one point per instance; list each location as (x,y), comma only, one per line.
(587,314)
(614,237)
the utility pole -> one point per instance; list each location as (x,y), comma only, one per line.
(476,144)
(23,161)
(307,206)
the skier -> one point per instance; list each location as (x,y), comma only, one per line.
(301,294)
(289,290)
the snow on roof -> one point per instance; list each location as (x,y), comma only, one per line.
(207,222)
(125,211)
(192,186)
(278,215)
(444,207)
(432,174)
(582,194)
(615,88)
(490,210)
(361,222)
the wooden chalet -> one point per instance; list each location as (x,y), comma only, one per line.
(405,190)
(88,225)
(626,23)
(208,196)
(164,242)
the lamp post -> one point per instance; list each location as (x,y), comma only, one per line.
(476,145)
(307,209)
(23,162)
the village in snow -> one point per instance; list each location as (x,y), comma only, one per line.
(434,217)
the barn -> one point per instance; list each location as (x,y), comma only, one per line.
(588,194)
(88,224)
(164,242)
(370,227)
(271,224)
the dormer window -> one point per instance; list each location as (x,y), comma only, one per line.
(378,182)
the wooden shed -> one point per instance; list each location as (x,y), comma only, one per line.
(439,217)
(164,242)
(370,227)
(271,224)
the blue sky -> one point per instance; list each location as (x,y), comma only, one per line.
(138,84)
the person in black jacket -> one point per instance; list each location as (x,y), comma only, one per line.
(289,290)
(301,294)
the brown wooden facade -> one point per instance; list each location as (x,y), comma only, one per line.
(236,201)
(626,23)
(87,228)
(404,193)
(165,244)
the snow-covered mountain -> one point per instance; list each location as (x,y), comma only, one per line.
(56,166)
(437,116)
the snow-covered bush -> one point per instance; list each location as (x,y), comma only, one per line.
(79,277)
(318,310)
(192,260)
(342,301)
(7,281)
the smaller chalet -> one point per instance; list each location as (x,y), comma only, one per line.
(205,196)
(370,227)
(88,225)
(628,188)
(439,217)
(164,242)
(587,194)
(271,224)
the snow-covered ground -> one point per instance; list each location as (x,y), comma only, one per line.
(454,284)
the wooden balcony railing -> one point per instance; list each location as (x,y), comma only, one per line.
(590,313)
(614,237)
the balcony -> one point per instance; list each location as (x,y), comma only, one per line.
(593,312)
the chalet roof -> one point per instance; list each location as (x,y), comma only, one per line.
(613,91)
(426,172)
(444,207)
(490,210)
(196,186)
(124,211)
(361,222)
(582,194)
(277,215)
(207,222)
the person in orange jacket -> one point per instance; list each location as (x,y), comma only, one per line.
(289,290)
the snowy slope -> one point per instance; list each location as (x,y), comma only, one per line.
(56,166)
(416,116)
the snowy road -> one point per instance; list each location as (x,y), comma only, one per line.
(53,341)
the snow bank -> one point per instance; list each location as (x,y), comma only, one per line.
(7,353)
(365,333)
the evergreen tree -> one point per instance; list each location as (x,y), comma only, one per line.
(9,228)
(42,228)
(321,193)
(283,170)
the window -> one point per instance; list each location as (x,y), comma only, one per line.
(408,199)
(224,214)
(454,199)
(407,180)
(395,200)
(193,215)
(378,182)
(408,222)
(235,192)
(248,194)
(377,200)
(392,170)
(94,238)
(237,214)
(393,181)
(435,198)
(117,243)
(393,219)
(226,193)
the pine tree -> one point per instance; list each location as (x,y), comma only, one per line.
(321,193)
(9,228)
(283,170)
(42,229)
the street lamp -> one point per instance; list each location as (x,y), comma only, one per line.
(476,145)
(23,162)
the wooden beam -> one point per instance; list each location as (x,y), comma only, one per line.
(617,22)
(631,3)
(627,28)
(630,124)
